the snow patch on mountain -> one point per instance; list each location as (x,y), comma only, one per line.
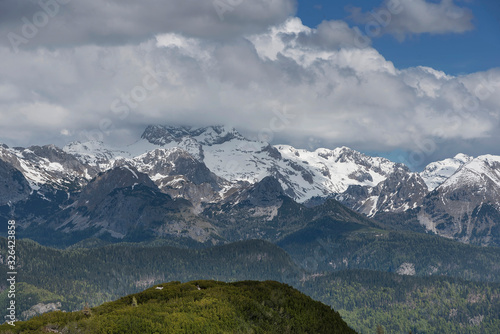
(337,169)
(239,160)
(438,172)
(95,153)
(478,171)
(46,165)
(131,171)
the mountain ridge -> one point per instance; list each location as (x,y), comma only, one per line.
(207,165)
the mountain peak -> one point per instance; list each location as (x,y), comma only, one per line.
(345,154)
(122,176)
(165,134)
(463,157)
(267,192)
(436,173)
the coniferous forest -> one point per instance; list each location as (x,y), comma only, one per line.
(366,299)
(197,307)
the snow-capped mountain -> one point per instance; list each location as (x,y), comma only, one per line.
(236,160)
(302,174)
(400,191)
(49,166)
(95,153)
(217,168)
(438,172)
(179,174)
(212,135)
(466,206)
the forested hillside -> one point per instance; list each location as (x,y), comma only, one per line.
(366,299)
(197,307)
(328,245)
(97,275)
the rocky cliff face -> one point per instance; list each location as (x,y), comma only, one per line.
(40,308)
(13,186)
(466,206)
(48,165)
(402,190)
(180,175)
(123,203)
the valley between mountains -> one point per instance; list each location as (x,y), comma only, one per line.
(371,238)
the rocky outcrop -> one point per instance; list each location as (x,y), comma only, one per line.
(40,309)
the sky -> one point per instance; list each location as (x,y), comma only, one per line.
(477,49)
(412,80)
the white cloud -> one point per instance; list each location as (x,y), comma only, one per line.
(412,17)
(303,44)
(333,92)
(55,23)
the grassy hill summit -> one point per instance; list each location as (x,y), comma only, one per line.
(197,307)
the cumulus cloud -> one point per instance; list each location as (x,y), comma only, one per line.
(287,83)
(29,24)
(293,84)
(292,37)
(401,18)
